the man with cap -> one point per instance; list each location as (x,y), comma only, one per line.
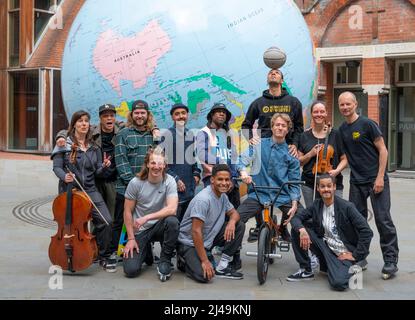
(215,145)
(132,145)
(179,144)
(274,100)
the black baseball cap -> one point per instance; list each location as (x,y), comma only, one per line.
(139,104)
(178,106)
(107,107)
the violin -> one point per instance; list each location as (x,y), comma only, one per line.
(325,156)
(73,248)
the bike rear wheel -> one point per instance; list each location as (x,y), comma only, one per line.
(264,249)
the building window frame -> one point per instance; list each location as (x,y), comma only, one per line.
(38,36)
(347,84)
(12,11)
(410,83)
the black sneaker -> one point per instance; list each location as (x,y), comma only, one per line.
(362,264)
(164,270)
(109,264)
(389,270)
(253,234)
(229,273)
(301,275)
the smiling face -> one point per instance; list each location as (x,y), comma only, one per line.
(180,117)
(319,114)
(156,166)
(221,182)
(82,125)
(279,129)
(347,104)
(107,120)
(140,117)
(327,188)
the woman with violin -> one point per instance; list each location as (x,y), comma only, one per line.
(320,151)
(77,165)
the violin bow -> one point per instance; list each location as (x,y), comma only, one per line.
(89,198)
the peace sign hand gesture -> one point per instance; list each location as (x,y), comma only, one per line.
(107,161)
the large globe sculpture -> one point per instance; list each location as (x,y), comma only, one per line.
(197,52)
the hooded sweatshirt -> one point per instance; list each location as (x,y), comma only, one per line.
(266,106)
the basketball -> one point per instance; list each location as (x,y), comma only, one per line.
(274,58)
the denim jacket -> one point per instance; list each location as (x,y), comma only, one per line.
(272,165)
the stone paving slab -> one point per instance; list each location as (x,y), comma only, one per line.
(25,235)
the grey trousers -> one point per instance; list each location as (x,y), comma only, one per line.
(193,266)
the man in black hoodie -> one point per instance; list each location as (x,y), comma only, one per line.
(275,100)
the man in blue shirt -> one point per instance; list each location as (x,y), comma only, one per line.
(179,144)
(272,165)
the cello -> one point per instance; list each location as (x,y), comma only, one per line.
(73,248)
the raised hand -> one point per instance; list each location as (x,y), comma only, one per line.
(107,161)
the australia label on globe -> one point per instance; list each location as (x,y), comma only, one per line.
(194,52)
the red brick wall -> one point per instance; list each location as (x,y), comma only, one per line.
(3,72)
(373,71)
(396,24)
(50,51)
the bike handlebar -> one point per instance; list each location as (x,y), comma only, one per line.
(255,187)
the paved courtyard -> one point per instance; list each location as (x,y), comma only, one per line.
(28,186)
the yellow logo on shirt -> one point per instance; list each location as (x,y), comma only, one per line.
(356,135)
(276,109)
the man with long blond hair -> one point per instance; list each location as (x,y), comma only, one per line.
(132,144)
(150,215)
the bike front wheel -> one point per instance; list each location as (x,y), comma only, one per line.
(264,249)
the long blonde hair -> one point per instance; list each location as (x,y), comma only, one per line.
(157,151)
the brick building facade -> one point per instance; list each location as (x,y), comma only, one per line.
(366,46)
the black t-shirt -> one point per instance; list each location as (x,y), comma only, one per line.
(363,156)
(109,149)
(307,142)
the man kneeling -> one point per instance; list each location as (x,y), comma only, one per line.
(204,226)
(338,234)
(150,215)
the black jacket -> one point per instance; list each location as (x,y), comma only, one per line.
(266,106)
(353,228)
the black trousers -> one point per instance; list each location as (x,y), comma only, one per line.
(339,271)
(102,231)
(381,204)
(166,232)
(193,266)
(252,208)
(118,221)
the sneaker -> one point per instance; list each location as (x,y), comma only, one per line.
(116,257)
(164,270)
(362,264)
(253,234)
(229,273)
(217,251)
(301,275)
(389,270)
(108,264)
(315,263)
(236,263)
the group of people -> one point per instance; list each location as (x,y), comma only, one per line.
(146,180)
